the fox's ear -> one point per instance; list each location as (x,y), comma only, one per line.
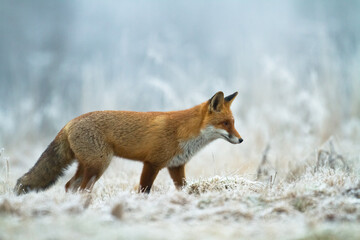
(216,102)
(229,99)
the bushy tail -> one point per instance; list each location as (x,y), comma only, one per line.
(50,166)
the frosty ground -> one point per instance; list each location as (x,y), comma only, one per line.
(319,199)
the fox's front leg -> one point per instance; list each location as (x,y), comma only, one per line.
(178,176)
(148,176)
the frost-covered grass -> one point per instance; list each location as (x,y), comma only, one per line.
(295,65)
(316,202)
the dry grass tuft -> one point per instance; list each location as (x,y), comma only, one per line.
(303,203)
(7,208)
(331,158)
(220,184)
(118,211)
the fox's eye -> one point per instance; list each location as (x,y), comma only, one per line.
(226,123)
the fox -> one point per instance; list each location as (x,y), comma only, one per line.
(158,139)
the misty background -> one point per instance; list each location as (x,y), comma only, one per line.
(296,65)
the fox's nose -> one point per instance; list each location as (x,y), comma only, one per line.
(240,140)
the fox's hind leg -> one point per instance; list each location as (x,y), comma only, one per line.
(93,173)
(93,154)
(75,181)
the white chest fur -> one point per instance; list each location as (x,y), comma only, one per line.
(193,145)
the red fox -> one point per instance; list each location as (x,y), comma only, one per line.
(158,139)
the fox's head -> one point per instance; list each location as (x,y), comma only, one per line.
(219,118)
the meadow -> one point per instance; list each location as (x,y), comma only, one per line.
(318,200)
(294,63)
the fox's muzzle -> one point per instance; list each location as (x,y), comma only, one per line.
(233,139)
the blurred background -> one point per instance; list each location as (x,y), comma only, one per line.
(296,65)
